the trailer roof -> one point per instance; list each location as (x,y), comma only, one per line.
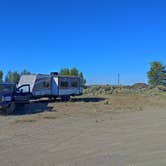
(67,76)
(47,75)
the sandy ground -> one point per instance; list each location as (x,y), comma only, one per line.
(105,131)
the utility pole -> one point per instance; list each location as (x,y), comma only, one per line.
(118,79)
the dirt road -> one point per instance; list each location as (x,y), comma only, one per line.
(117,138)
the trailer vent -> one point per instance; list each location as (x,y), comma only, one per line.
(54,73)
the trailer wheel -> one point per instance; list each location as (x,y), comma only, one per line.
(10,109)
(52,99)
(65,98)
(68,98)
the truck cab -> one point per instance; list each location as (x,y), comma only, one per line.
(11,96)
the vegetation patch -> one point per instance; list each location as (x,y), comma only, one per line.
(26,120)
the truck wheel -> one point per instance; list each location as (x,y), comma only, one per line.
(10,109)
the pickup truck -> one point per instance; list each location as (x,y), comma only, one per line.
(10,96)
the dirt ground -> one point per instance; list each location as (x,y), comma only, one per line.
(124,130)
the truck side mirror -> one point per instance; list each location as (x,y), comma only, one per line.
(19,90)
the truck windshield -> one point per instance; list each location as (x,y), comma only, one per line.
(7,88)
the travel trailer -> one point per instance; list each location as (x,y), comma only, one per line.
(52,85)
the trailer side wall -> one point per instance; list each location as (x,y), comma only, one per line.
(42,86)
(69,86)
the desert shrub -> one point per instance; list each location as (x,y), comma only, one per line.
(123,90)
(161,87)
(106,102)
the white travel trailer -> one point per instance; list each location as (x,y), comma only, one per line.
(52,86)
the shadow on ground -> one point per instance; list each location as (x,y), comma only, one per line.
(39,106)
(88,99)
(33,108)
(74,99)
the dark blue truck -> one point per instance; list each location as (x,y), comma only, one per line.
(10,96)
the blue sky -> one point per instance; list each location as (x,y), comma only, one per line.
(100,37)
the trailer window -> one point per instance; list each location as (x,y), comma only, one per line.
(74,84)
(42,84)
(46,84)
(64,84)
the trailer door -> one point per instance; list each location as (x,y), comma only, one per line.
(55,90)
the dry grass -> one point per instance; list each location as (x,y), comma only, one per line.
(26,119)
(91,106)
(98,100)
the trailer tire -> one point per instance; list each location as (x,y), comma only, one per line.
(10,109)
(65,98)
(52,99)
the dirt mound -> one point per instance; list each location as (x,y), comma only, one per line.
(139,86)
